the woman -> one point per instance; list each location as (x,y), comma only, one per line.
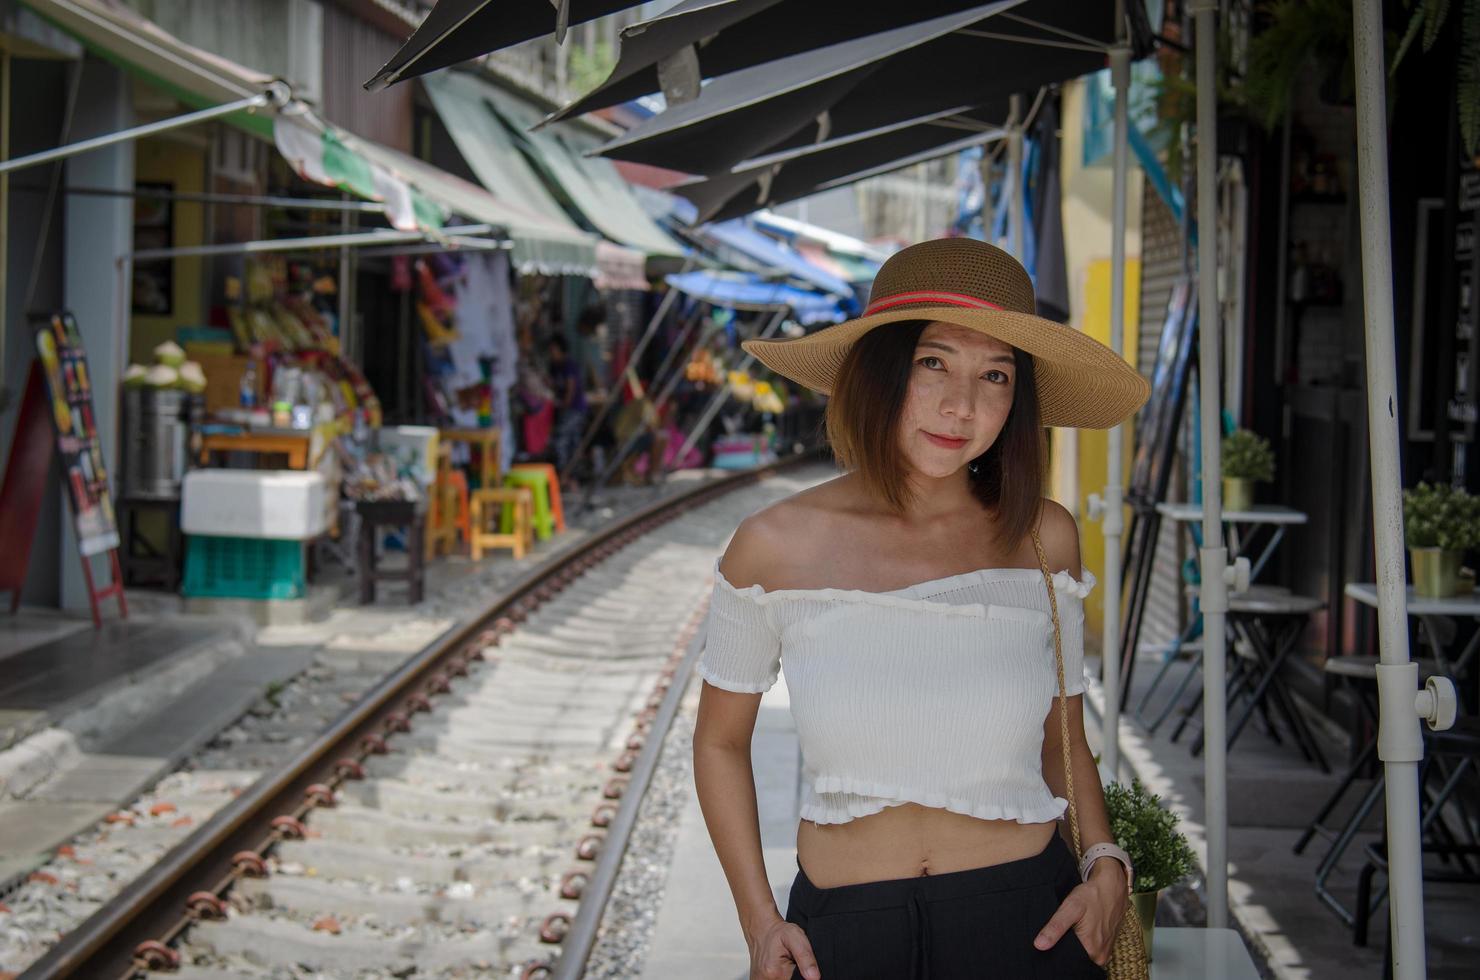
(909,602)
(570,394)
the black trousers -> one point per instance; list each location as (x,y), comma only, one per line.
(965,925)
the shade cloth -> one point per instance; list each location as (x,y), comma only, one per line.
(490,127)
(747,292)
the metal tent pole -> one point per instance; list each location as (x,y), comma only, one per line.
(382,237)
(1113,516)
(1214,592)
(276,95)
(670,382)
(1015,177)
(721,396)
(1399,741)
(664,305)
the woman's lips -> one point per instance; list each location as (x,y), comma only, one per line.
(945,441)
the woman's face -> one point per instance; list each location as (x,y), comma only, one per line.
(960,391)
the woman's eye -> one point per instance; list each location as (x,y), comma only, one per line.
(929,361)
(997,377)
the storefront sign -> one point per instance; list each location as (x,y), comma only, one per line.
(69,391)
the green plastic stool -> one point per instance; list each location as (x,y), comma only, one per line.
(538,483)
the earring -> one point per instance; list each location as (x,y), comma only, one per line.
(973,468)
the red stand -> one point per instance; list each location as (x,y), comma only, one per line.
(26,474)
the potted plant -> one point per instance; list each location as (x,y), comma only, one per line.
(1439,523)
(1159,852)
(1247,458)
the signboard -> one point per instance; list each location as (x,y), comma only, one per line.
(69,394)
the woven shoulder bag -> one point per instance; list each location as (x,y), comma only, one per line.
(1128,956)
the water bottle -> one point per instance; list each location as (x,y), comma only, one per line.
(248,389)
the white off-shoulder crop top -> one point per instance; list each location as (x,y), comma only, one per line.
(935,694)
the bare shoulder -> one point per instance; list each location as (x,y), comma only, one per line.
(1060,535)
(772,544)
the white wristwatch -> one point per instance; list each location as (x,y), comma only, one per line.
(1106,849)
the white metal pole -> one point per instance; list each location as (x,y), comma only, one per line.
(1214,592)
(277,95)
(385,236)
(1399,743)
(1015,178)
(1114,523)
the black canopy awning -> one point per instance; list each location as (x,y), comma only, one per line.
(910,72)
(456,30)
(808,170)
(731,35)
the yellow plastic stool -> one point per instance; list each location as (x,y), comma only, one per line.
(538,484)
(481,507)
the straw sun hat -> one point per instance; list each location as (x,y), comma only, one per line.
(1081,382)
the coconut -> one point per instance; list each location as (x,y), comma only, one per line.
(134,376)
(192,377)
(161,376)
(169,353)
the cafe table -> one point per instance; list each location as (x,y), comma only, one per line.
(1428,610)
(1268,522)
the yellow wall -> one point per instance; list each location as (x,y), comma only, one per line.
(182,164)
(1079,458)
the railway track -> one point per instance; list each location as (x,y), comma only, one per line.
(468,814)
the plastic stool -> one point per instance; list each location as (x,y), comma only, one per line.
(538,484)
(516,503)
(556,511)
(457,482)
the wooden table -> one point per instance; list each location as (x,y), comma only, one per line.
(293,444)
(487,441)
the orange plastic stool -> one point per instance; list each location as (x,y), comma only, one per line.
(549,470)
(458,484)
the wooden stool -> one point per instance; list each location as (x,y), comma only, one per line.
(556,511)
(486,505)
(391,513)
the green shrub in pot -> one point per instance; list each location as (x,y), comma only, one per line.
(1159,852)
(1440,523)
(1247,459)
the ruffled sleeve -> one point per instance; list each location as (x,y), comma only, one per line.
(1070,596)
(742,646)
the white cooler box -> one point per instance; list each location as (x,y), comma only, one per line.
(282,504)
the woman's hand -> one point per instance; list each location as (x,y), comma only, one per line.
(1093,910)
(777,948)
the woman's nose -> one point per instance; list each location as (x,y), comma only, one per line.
(958,400)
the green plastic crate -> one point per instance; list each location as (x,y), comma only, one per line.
(243,568)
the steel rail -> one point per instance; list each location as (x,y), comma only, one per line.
(131,933)
(576,948)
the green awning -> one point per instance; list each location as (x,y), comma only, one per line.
(491,129)
(540,245)
(415,195)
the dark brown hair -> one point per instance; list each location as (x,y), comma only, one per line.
(863,427)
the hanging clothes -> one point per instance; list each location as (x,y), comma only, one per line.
(485,351)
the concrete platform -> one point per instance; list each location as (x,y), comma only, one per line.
(53,667)
(697,933)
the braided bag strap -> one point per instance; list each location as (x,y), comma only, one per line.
(1128,959)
